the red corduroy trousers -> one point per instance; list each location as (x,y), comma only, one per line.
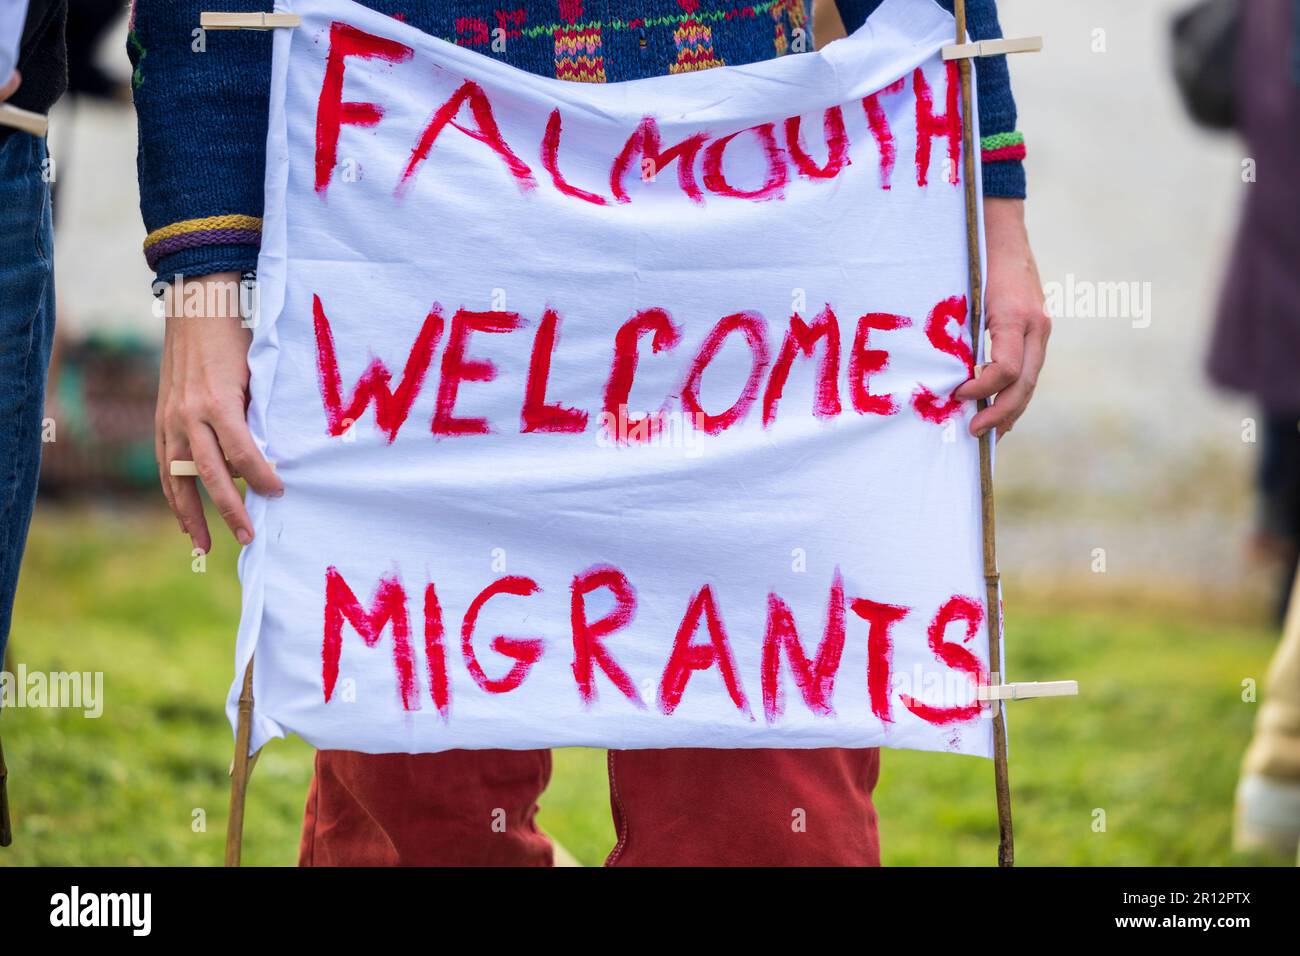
(671,808)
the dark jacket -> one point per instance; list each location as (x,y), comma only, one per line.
(42,57)
(1256,344)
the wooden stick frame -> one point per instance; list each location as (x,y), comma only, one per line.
(240,770)
(6,828)
(992,580)
(993,694)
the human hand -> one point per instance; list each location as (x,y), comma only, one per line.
(202,401)
(10,86)
(1015,317)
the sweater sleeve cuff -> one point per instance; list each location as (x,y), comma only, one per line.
(1002,156)
(202,246)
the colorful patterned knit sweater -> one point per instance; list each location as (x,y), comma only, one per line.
(203,115)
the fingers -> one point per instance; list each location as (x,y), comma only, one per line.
(1004,411)
(196,440)
(1011,402)
(10,86)
(160,439)
(215,475)
(185,493)
(237,443)
(1004,370)
(164,478)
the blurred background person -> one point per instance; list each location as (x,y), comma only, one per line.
(1268,794)
(33,73)
(35,81)
(1255,347)
(1241,70)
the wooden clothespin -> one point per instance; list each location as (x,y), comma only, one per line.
(1025,691)
(963,51)
(185,468)
(248,21)
(38,124)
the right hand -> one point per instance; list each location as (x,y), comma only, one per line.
(202,402)
(10,86)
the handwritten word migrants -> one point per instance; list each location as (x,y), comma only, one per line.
(814,677)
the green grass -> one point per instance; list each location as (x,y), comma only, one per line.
(1153,743)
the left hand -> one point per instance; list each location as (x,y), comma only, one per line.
(1015,317)
(10,86)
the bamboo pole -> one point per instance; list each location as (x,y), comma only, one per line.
(240,770)
(6,830)
(6,825)
(992,590)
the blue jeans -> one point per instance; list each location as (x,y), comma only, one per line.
(26,336)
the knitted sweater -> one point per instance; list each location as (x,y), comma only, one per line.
(203,114)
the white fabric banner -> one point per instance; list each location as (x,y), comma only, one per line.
(614,415)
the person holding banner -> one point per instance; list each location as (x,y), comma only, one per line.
(33,75)
(202,202)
